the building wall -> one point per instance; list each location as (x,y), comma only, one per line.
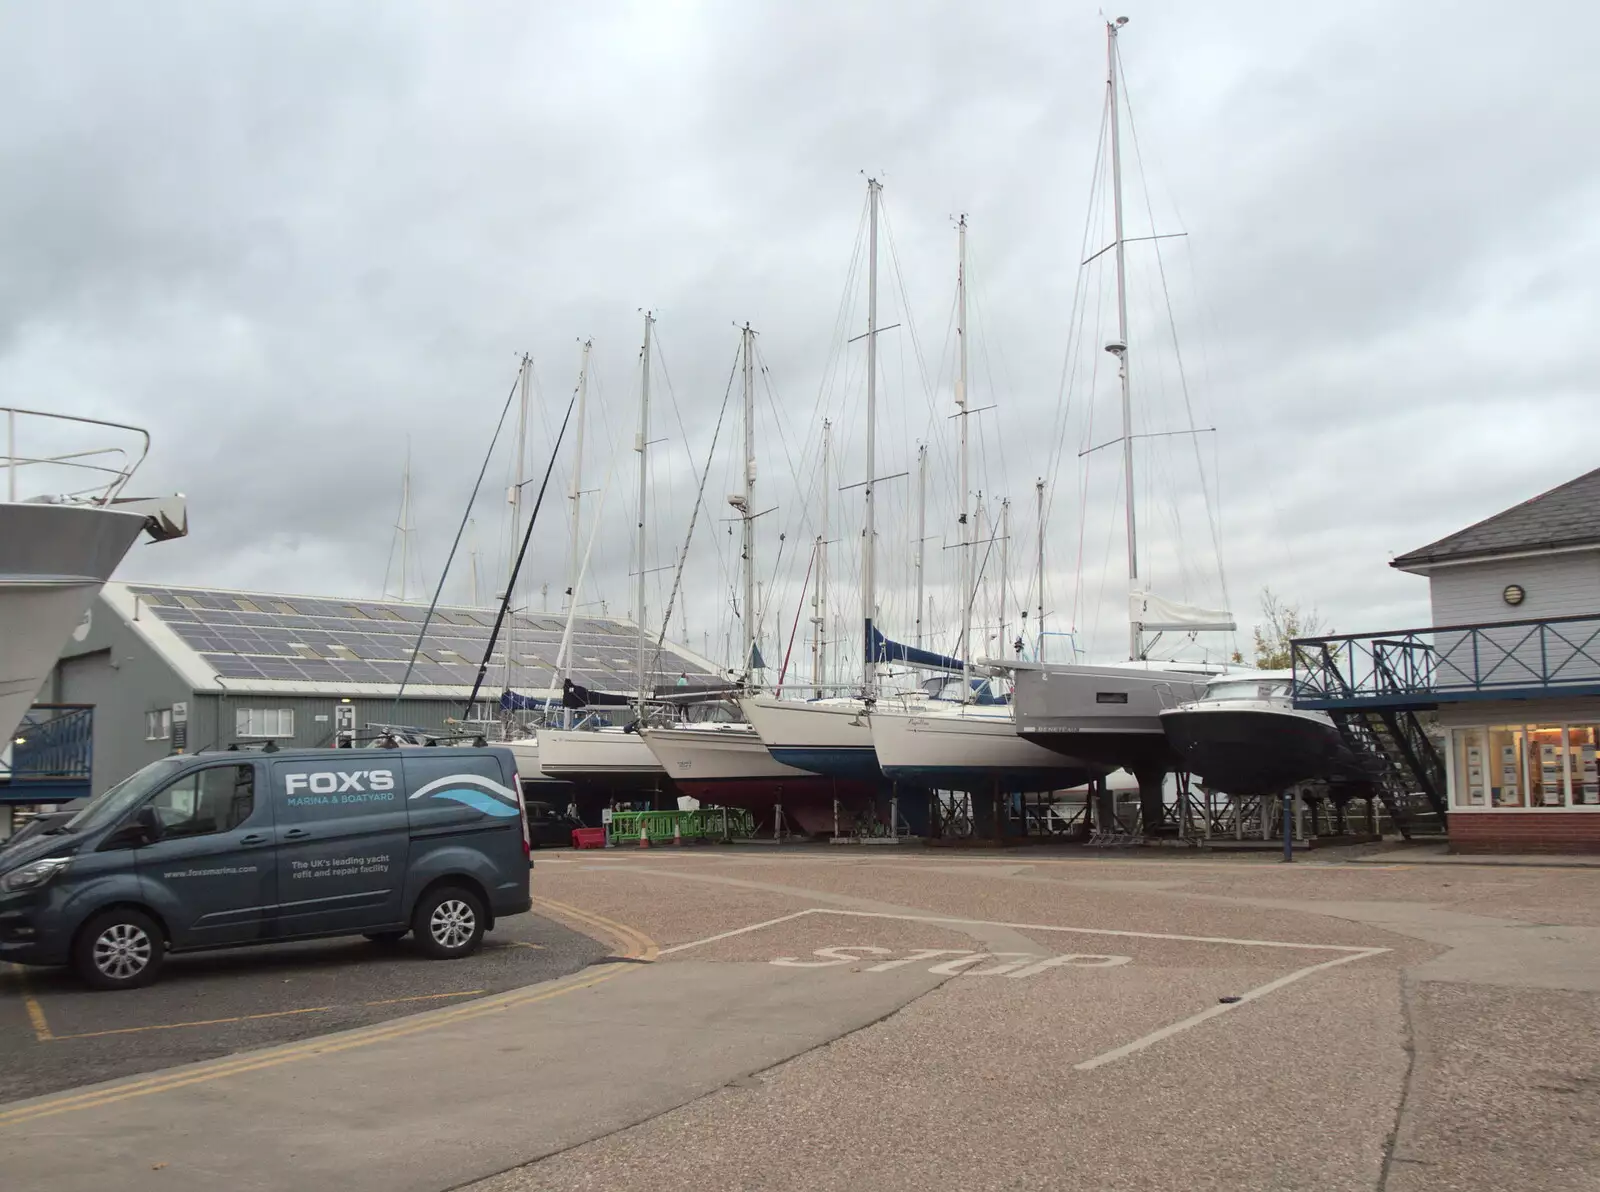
(1556,585)
(113,669)
(1546,832)
(116,670)
(215,717)
(1560,585)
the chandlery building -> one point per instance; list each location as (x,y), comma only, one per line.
(1509,674)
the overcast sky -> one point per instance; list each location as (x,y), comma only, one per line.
(291,238)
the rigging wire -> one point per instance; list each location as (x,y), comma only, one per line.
(511,583)
(427,619)
(683,555)
(1212,518)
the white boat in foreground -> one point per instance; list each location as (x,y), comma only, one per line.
(969,747)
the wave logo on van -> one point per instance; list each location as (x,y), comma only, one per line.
(473,790)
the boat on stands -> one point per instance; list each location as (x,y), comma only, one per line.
(58,548)
(1111,714)
(1244,736)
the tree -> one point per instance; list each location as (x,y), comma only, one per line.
(1283,622)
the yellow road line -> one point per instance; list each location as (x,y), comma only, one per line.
(637,945)
(172,1026)
(255,1061)
(36,1018)
(424,997)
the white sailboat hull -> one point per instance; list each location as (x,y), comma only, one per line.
(606,757)
(972,748)
(829,737)
(717,753)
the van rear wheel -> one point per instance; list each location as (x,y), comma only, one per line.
(448,923)
(121,948)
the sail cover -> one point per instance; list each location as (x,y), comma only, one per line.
(574,695)
(1153,612)
(881,649)
(515,701)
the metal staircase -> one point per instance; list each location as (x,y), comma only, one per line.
(1405,767)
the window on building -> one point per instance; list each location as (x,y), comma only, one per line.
(1506,786)
(1581,742)
(1547,767)
(158,725)
(264,722)
(1471,768)
(216,799)
(1536,766)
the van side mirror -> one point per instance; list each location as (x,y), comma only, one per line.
(143,828)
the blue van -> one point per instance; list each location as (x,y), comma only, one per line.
(218,850)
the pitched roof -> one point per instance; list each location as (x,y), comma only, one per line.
(1568,515)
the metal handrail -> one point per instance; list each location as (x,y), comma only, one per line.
(1478,659)
(13,463)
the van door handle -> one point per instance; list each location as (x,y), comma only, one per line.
(253,838)
(296,834)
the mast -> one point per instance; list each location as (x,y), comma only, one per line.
(644,477)
(577,477)
(748,511)
(405,519)
(868,539)
(819,597)
(1120,347)
(961,417)
(1038,490)
(1005,570)
(980,577)
(514,497)
(922,527)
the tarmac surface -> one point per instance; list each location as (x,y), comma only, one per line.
(56,1033)
(819,1017)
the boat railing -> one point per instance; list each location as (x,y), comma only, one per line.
(95,475)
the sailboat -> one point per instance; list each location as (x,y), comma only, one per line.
(831,735)
(969,743)
(615,758)
(1110,715)
(725,762)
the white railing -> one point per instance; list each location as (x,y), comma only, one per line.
(115,466)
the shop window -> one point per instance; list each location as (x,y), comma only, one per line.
(1471,786)
(1582,740)
(1505,767)
(1547,767)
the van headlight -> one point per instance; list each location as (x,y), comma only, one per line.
(34,874)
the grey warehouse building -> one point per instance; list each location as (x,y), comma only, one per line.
(175,668)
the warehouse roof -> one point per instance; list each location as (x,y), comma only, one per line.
(270,642)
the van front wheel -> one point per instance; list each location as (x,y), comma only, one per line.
(119,949)
(448,923)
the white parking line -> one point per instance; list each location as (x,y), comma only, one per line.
(1176,1028)
(727,935)
(1138,935)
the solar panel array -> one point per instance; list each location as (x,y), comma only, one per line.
(247,635)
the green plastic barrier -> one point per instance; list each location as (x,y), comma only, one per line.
(705,824)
